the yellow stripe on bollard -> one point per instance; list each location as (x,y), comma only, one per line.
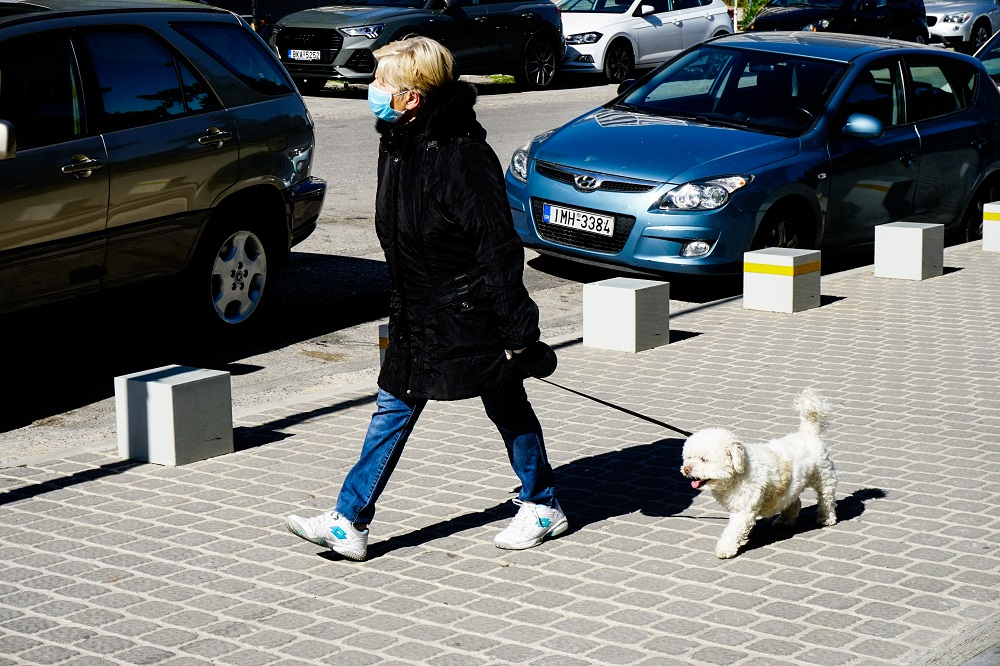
(790,271)
(991,216)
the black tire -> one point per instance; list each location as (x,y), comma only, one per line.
(231,276)
(619,62)
(980,34)
(972,225)
(537,68)
(310,86)
(782,227)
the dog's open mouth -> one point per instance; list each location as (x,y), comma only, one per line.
(698,483)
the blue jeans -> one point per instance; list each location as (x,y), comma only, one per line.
(392,423)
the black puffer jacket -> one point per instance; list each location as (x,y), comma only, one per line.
(455,262)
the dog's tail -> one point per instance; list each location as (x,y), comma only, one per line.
(814,412)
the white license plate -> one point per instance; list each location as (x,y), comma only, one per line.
(579,219)
(296,54)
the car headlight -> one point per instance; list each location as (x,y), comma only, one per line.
(369,31)
(957,17)
(704,194)
(519,160)
(816,26)
(584,38)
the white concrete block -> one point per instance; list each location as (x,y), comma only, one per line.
(781,279)
(383,342)
(991,227)
(909,250)
(174,415)
(626,314)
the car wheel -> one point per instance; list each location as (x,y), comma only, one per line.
(619,63)
(980,35)
(538,64)
(972,226)
(782,227)
(310,86)
(230,278)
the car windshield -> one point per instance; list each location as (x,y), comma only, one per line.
(756,90)
(822,4)
(413,4)
(599,6)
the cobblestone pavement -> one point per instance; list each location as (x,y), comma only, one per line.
(106,561)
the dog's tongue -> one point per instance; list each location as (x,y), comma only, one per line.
(697,483)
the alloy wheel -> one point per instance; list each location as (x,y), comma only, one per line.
(238,276)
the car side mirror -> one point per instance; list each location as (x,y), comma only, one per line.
(8,142)
(863,126)
(625,85)
(644,10)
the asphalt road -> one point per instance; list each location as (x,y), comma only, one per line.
(323,329)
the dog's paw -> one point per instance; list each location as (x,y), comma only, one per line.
(827,521)
(725,551)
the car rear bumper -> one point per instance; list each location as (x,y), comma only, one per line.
(305,200)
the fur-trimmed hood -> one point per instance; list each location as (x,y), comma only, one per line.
(448,113)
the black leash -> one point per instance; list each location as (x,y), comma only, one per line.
(619,408)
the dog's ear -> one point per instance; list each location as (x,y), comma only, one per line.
(737,454)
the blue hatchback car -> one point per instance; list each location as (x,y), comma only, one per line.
(803,140)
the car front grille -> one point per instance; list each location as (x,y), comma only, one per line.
(583,239)
(568,176)
(327,42)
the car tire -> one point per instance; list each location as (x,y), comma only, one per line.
(310,86)
(979,35)
(537,68)
(619,62)
(972,225)
(782,227)
(231,276)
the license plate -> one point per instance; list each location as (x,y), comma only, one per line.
(579,219)
(297,54)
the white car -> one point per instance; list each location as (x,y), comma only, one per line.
(964,25)
(614,37)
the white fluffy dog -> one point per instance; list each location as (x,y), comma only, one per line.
(754,481)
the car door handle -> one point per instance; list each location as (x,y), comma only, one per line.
(82,166)
(480,19)
(529,15)
(979,142)
(215,137)
(907,158)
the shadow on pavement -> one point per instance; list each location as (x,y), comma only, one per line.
(65,356)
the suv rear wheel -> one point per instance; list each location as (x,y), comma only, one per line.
(537,68)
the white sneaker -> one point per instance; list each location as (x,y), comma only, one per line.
(532,525)
(332,530)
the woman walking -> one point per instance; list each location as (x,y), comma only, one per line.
(459,312)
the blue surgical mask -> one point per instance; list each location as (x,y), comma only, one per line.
(380,102)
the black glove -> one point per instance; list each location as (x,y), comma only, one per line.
(537,359)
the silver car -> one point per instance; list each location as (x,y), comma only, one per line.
(964,25)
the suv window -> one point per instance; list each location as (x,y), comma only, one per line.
(939,88)
(242,54)
(41,94)
(140,81)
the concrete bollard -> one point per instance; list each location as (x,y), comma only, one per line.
(909,250)
(383,342)
(991,227)
(174,415)
(626,314)
(781,279)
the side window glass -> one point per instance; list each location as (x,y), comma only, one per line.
(659,6)
(197,96)
(242,53)
(41,95)
(686,4)
(875,92)
(937,89)
(137,79)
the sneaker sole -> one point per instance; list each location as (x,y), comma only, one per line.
(560,527)
(301,535)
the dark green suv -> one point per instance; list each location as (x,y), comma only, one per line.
(144,139)
(518,37)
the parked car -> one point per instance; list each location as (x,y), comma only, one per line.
(614,37)
(262,14)
(755,140)
(963,25)
(519,37)
(896,19)
(147,139)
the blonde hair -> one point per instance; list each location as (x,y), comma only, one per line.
(416,63)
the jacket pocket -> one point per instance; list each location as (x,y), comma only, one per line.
(462,322)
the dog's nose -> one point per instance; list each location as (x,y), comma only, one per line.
(686,469)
